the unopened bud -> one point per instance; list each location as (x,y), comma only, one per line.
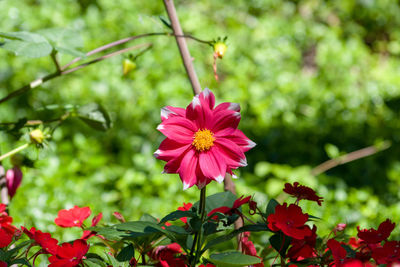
(36,136)
(13,180)
(340,227)
(127,66)
(220,49)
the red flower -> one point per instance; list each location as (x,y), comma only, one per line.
(372,236)
(185,207)
(169,256)
(338,252)
(13,180)
(249,249)
(69,255)
(208,265)
(87,233)
(119,216)
(230,210)
(253,207)
(73,217)
(6,229)
(48,244)
(290,220)
(302,192)
(3,264)
(389,253)
(203,142)
(303,248)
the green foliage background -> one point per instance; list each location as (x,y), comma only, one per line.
(315,79)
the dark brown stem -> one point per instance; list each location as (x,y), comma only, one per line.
(358,154)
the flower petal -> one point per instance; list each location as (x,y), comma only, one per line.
(207,98)
(187,169)
(232,153)
(227,106)
(168,111)
(241,140)
(169,149)
(179,129)
(199,113)
(225,121)
(212,166)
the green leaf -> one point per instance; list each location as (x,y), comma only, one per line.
(70,51)
(247,228)
(26,44)
(95,116)
(64,40)
(271,207)
(21,261)
(126,254)
(280,243)
(233,258)
(139,228)
(217,200)
(148,218)
(109,233)
(175,215)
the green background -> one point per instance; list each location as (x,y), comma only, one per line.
(315,80)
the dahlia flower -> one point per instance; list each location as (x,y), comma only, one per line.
(203,142)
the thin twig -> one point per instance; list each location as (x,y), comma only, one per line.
(56,74)
(358,154)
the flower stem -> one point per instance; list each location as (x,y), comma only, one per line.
(14,151)
(198,235)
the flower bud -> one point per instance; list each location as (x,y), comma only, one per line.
(37,136)
(220,49)
(253,207)
(340,227)
(127,66)
(119,216)
(13,180)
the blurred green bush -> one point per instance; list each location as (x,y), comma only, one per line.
(308,74)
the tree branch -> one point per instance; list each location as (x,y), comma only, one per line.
(358,154)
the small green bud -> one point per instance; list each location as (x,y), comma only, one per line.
(37,136)
(220,49)
(127,66)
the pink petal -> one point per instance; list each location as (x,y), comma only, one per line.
(227,106)
(168,111)
(187,169)
(212,166)
(241,140)
(169,149)
(179,129)
(207,98)
(199,113)
(226,121)
(232,153)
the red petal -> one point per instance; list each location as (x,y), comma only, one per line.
(169,149)
(233,155)
(226,121)
(168,111)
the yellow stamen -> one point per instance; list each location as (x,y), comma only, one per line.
(203,140)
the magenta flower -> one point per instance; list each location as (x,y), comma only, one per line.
(203,142)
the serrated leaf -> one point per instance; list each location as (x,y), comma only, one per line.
(26,44)
(95,116)
(271,207)
(233,258)
(126,254)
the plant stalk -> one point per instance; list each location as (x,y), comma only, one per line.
(199,235)
(14,151)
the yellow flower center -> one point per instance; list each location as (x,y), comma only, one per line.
(203,140)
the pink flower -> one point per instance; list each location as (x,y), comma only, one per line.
(73,217)
(13,180)
(230,210)
(203,142)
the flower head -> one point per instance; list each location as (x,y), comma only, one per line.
(290,220)
(49,245)
(203,142)
(302,192)
(73,217)
(169,256)
(69,255)
(372,236)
